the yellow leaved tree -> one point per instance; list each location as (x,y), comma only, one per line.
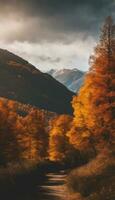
(94,106)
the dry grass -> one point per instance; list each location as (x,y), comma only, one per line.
(95,180)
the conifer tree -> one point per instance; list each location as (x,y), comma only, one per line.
(94,107)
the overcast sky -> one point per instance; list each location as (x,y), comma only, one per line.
(53,33)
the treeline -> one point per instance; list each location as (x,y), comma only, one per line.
(92,127)
(22,137)
(29,134)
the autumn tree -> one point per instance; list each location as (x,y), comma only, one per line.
(59,146)
(32,136)
(94,107)
(39,132)
(9,150)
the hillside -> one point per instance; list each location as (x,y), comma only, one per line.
(21,81)
(71,78)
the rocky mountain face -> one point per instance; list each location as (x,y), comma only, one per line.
(71,78)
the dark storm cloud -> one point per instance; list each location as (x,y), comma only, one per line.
(53,33)
(49,7)
(55,7)
(57,19)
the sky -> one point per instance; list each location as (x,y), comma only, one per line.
(53,33)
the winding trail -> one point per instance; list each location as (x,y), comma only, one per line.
(54,187)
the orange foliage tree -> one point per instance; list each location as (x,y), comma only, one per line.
(22,137)
(94,107)
(8,144)
(32,136)
(59,147)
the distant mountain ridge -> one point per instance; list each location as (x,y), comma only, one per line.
(21,81)
(71,78)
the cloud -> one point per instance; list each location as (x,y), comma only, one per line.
(53,33)
(53,55)
(54,19)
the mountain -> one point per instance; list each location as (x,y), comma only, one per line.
(71,78)
(76,85)
(21,81)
